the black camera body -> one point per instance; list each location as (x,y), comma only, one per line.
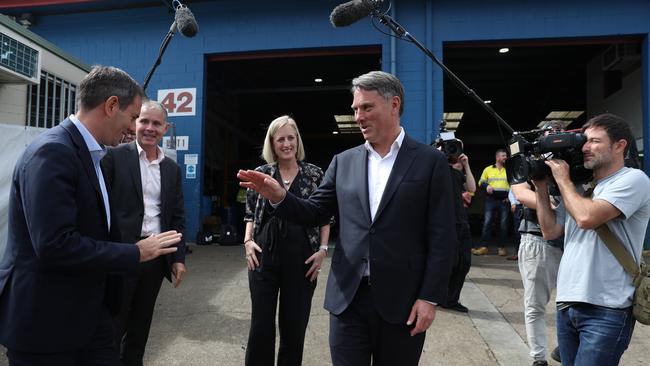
(452,148)
(449,144)
(530,149)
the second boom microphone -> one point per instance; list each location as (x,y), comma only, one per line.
(348,13)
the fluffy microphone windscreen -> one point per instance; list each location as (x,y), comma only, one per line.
(185,21)
(351,12)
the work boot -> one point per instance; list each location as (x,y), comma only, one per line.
(502,252)
(480,251)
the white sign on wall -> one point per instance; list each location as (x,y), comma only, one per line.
(191,159)
(182,143)
(178,102)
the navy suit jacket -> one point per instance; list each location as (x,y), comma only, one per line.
(408,244)
(121,167)
(54,270)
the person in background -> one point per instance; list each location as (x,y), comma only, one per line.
(539,260)
(283,258)
(146,199)
(462,181)
(495,182)
(516,209)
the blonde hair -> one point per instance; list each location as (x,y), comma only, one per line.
(267,151)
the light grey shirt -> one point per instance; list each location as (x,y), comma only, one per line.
(588,271)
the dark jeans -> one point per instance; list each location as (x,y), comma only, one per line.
(491,206)
(591,335)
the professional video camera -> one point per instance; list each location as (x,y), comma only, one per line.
(449,144)
(529,150)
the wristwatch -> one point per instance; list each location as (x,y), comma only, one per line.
(324,247)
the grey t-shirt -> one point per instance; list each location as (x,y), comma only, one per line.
(588,270)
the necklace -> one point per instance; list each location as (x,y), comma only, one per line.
(286,182)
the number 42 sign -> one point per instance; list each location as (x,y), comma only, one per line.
(178,102)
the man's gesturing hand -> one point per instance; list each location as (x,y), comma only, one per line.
(264,184)
(422,313)
(157,245)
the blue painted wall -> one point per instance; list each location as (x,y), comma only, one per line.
(130,39)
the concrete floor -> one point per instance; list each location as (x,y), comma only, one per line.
(206,320)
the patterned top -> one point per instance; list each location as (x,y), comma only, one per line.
(308,179)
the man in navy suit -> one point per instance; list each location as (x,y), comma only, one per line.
(146,198)
(392,262)
(55,290)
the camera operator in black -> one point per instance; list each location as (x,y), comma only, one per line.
(463,257)
(539,260)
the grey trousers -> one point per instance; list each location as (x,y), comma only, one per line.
(538,266)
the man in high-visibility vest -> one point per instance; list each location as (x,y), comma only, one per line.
(495,183)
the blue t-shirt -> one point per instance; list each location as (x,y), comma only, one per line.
(589,272)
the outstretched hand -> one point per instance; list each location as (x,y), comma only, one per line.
(263,184)
(157,245)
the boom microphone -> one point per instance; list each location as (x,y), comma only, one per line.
(184,21)
(348,13)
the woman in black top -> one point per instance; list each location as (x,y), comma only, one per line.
(283,258)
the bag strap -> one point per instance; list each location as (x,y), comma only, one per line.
(618,250)
(615,246)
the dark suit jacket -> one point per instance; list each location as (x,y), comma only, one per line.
(121,169)
(409,243)
(53,272)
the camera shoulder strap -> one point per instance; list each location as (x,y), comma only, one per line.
(615,246)
(618,250)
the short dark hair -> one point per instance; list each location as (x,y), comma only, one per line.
(105,81)
(385,84)
(501,151)
(616,127)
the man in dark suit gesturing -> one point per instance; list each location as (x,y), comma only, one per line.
(392,263)
(54,293)
(146,199)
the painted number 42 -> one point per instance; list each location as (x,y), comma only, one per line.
(178,102)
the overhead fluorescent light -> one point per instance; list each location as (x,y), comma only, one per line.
(487,101)
(452,120)
(346,124)
(504,50)
(318,80)
(565,117)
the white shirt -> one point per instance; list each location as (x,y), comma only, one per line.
(379,170)
(378,173)
(97,152)
(150,177)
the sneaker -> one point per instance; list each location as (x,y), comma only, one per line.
(513,258)
(480,251)
(540,363)
(556,354)
(502,252)
(457,306)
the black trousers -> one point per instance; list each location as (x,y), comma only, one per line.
(100,350)
(462,263)
(359,335)
(287,281)
(134,320)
